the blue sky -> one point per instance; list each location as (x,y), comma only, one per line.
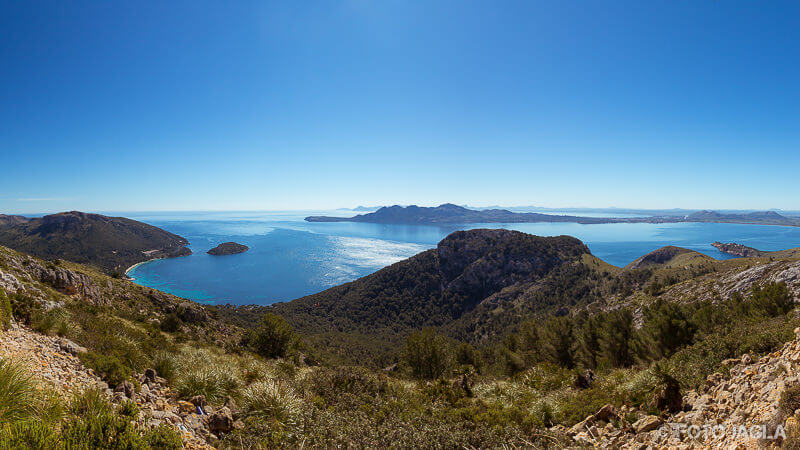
(195,105)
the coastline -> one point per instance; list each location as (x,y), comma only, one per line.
(137,265)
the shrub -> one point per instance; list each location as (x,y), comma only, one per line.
(91,402)
(466,355)
(271,402)
(428,354)
(666,329)
(546,377)
(616,339)
(28,435)
(5,311)
(46,321)
(129,408)
(23,307)
(18,394)
(110,368)
(171,323)
(330,384)
(772,299)
(165,365)
(163,438)
(273,338)
(557,341)
(214,383)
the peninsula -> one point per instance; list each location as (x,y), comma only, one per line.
(453,214)
(739,250)
(109,243)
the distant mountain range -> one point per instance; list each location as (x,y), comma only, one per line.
(110,243)
(449,213)
(453,214)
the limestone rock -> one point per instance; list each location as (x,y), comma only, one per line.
(647,423)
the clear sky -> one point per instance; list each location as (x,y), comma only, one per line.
(206,105)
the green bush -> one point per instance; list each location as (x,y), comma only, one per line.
(19,397)
(45,322)
(5,311)
(28,435)
(428,354)
(165,365)
(163,438)
(171,323)
(330,384)
(23,307)
(271,402)
(546,377)
(273,338)
(110,368)
(215,383)
(666,329)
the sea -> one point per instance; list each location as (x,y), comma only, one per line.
(290,258)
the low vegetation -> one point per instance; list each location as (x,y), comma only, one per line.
(31,416)
(426,384)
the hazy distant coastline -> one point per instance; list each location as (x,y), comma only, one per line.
(455,214)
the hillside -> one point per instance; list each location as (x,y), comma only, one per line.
(599,358)
(758,217)
(669,256)
(475,285)
(110,243)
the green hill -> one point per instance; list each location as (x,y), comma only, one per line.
(110,243)
(475,284)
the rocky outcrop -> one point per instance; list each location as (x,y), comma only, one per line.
(739,250)
(27,270)
(228,248)
(68,282)
(733,410)
(57,365)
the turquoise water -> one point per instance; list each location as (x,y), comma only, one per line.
(290,258)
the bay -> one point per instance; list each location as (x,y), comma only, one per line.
(290,258)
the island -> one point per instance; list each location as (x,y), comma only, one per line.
(739,250)
(449,213)
(228,248)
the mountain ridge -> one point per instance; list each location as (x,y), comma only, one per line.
(449,213)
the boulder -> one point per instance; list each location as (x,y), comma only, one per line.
(221,421)
(125,388)
(647,423)
(71,347)
(198,400)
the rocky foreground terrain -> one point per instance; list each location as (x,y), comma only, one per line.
(752,404)
(55,363)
